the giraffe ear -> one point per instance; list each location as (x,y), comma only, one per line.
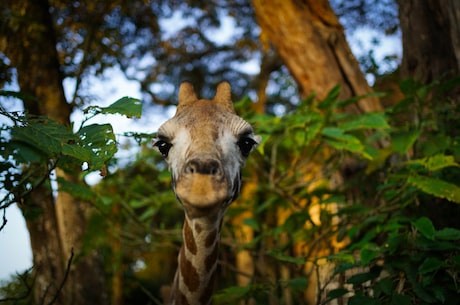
(186,95)
(224,96)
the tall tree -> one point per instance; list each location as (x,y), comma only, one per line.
(431,41)
(311,42)
(431,55)
(57,232)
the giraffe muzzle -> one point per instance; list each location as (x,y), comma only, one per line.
(207,166)
(202,184)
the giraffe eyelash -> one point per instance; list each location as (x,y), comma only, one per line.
(246,144)
(163,145)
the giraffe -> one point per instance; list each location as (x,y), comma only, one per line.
(205,146)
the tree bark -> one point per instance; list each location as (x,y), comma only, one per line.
(431,40)
(311,41)
(38,210)
(59,228)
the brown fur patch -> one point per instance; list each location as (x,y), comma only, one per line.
(189,273)
(198,228)
(183,299)
(211,238)
(189,239)
(207,292)
(211,260)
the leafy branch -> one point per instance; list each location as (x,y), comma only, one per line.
(34,146)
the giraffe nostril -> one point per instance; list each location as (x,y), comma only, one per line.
(203,166)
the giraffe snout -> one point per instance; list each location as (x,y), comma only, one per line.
(206,166)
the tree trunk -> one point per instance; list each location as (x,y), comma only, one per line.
(312,44)
(58,229)
(311,41)
(431,52)
(38,210)
(431,40)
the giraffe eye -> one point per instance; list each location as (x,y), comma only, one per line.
(163,147)
(246,144)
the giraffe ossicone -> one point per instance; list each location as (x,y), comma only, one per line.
(205,146)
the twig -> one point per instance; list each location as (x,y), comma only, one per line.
(5,202)
(66,275)
(150,295)
(23,277)
(4,220)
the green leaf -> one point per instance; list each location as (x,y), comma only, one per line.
(44,134)
(436,187)
(348,258)
(351,146)
(430,264)
(403,141)
(251,222)
(341,141)
(373,120)
(24,152)
(439,294)
(77,190)
(286,258)
(147,214)
(425,226)
(363,300)
(135,204)
(385,285)
(336,293)
(436,162)
(298,283)
(360,278)
(333,132)
(19,95)
(331,98)
(409,86)
(448,234)
(76,151)
(437,143)
(231,295)
(100,141)
(127,106)
(399,299)
(368,255)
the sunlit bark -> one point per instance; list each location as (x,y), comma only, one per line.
(312,44)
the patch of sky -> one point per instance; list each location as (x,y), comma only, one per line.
(386,50)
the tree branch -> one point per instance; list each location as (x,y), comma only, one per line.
(23,277)
(66,275)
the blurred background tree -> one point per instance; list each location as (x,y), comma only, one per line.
(276,52)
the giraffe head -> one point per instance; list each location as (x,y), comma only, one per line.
(205,145)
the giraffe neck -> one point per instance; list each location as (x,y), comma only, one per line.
(197,262)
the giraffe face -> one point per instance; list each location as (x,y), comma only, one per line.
(205,145)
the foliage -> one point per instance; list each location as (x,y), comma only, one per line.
(161,43)
(138,225)
(408,246)
(390,224)
(32,147)
(157,43)
(18,289)
(392,219)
